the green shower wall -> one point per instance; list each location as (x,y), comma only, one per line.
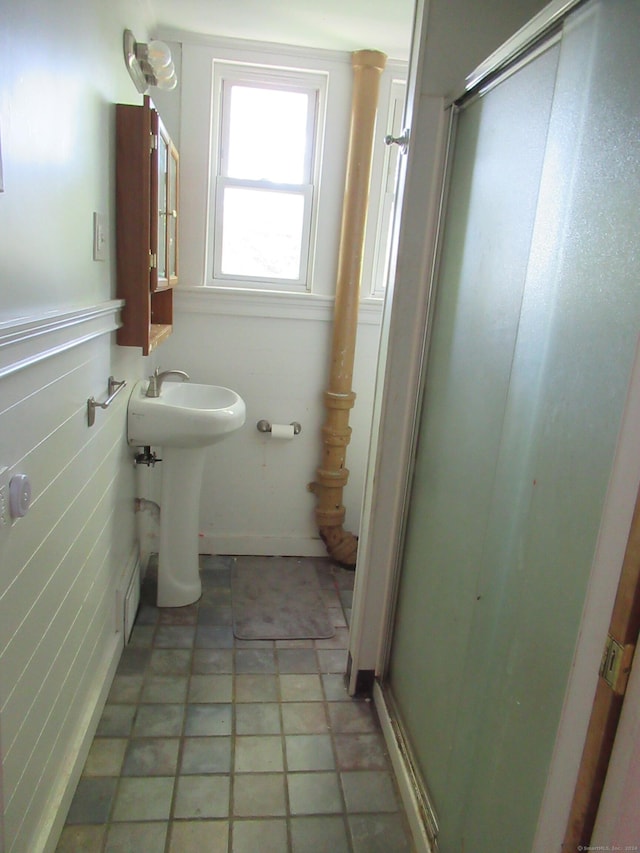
(534,333)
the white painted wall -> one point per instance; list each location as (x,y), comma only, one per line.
(331,24)
(61,71)
(254,496)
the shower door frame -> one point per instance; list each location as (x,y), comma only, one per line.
(376,591)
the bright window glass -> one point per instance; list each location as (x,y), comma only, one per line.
(264,186)
(256,150)
(261,233)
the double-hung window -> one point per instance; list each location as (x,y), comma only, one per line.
(266,168)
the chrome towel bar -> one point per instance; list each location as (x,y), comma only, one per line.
(113,389)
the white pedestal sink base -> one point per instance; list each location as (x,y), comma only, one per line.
(178,563)
(182,419)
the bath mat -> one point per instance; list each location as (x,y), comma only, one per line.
(277,599)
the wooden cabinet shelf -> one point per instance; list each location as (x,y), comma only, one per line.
(146,225)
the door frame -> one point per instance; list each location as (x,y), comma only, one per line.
(601,593)
(616,817)
(399,367)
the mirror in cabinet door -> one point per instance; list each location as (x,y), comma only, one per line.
(165,158)
(147,170)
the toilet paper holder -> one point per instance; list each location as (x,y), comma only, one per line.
(265,426)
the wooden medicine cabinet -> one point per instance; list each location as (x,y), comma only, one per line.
(146,225)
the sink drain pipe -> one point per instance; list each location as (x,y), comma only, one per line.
(332,476)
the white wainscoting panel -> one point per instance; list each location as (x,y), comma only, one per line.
(61,564)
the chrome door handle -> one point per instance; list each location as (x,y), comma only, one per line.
(402,141)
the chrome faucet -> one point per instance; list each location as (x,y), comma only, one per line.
(156,380)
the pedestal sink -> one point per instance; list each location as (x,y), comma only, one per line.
(183,420)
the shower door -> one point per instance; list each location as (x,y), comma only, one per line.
(532,339)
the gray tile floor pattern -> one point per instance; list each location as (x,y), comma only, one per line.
(212,744)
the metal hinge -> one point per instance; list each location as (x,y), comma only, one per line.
(153,260)
(154,142)
(616,664)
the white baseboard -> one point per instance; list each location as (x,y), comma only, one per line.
(263,546)
(128,594)
(423,840)
(131,602)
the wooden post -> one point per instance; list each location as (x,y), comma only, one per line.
(332,475)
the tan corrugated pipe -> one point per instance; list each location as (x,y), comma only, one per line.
(339,398)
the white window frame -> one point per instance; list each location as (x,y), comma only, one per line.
(312,83)
(387,192)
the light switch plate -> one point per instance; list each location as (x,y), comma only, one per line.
(99,237)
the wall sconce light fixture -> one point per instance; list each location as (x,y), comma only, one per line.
(149,64)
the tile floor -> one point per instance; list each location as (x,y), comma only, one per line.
(209,743)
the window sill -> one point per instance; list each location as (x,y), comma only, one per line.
(275,305)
